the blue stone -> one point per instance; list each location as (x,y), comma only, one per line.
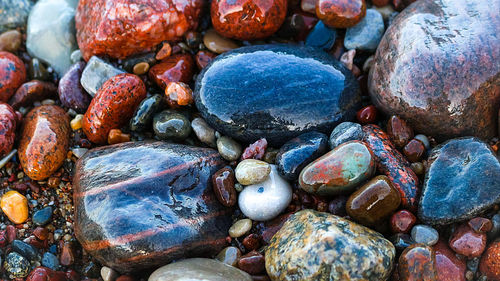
(43,216)
(344,132)
(50,260)
(365,35)
(321,36)
(276,92)
(295,154)
(25,249)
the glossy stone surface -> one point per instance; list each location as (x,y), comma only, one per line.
(71,92)
(490,265)
(95,73)
(32,91)
(265,200)
(10,41)
(229,255)
(417,263)
(15,206)
(313,246)
(171,125)
(176,68)
(198,269)
(41,273)
(373,202)
(414,150)
(367,114)
(223,184)
(204,133)
(399,131)
(344,132)
(256,150)
(480,225)
(461,182)
(44,141)
(12,75)
(436,68)
(251,171)
(465,241)
(340,170)
(144,114)
(424,234)
(16,265)
(341,13)
(14,13)
(365,35)
(391,163)
(119,28)
(113,105)
(247,19)
(42,216)
(243,93)
(448,266)
(402,221)
(143,204)
(8,125)
(298,152)
(321,36)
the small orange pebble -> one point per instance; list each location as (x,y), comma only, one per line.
(164,52)
(116,136)
(15,206)
(179,93)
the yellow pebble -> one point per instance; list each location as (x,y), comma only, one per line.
(15,206)
(76,123)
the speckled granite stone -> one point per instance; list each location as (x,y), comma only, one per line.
(13,13)
(319,246)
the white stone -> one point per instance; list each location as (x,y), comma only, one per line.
(108,274)
(251,171)
(266,200)
(95,73)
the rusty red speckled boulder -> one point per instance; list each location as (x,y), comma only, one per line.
(119,28)
(438,67)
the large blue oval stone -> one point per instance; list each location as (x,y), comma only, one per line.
(277,92)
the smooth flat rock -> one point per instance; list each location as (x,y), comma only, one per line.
(275,92)
(95,73)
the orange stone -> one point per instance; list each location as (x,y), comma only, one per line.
(116,136)
(179,93)
(341,13)
(15,206)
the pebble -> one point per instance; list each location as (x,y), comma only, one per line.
(255,150)
(251,171)
(10,41)
(8,125)
(417,262)
(204,58)
(41,273)
(179,94)
(347,59)
(203,132)
(171,125)
(373,202)
(252,263)
(175,68)
(465,241)
(489,265)
(239,19)
(228,148)
(402,221)
(164,52)
(144,114)
(67,257)
(461,182)
(495,230)
(31,92)
(310,243)
(199,269)
(16,265)
(448,266)
(113,106)
(120,28)
(43,216)
(37,71)
(216,43)
(298,152)
(365,35)
(321,36)
(414,150)
(95,73)
(367,115)
(76,123)
(141,68)
(401,241)
(455,93)
(340,170)
(24,249)
(250,77)
(344,132)
(51,33)
(71,92)
(79,152)
(230,255)
(14,14)
(424,140)
(480,225)
(266,200)
(240,228)
(386,11)
(12,75)
(76,56)
(399,131)
(223,185)
(424,234)
(108,274)
(341,13)
(49,260)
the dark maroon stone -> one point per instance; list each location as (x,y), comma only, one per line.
(71,92)
(143,204)
(46,274)
(32,91)
(253,263)
(480,225)
(437,67)
(223,184)
(465,241)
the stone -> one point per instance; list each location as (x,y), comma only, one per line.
(266,200)
(108,274)
(41,273)
(204,133)
(117,136)
(418,263)
(465,241)
(113,106)
(38,71)
(339,171)
(16,265)
(489,265)
(256,150)
(171,125)
(10,41)
(12,75)
(312,246)
(424,234)
(216,43)
(144,114)
(248,20)
(67,257)
(399,131)
(158,206)
(44,141)
(95,73)
(8,125)
(223,183)
(462,181)
(480,225)
(43,216)
(15,206)
(199,269)
(229,255)
(401,241)
(14,14)
(391,162)
(402,221)
(461,97)
(251,171)
(252,263)
(176,68)
(71,92)
(321,36)
(236,101)
(204,58)
(31,92)
(178,94)
(365,35)
(367,115)
(414,150)
(448,266)
(373,202)
(341,13)
(240,228)
(495,229)
(49,260)
(298,152)
(51,33)
(122,28)
(344,132)
(228,148)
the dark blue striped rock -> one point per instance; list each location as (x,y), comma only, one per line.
(276,92)
(141,205)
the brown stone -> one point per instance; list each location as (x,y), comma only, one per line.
(480,225)
(203,58)
(252,263)
(176,68)
(417,263)
(402,221)
(414,150)
(32,91)
(341,13)
(12,75)
(8,124)
(223,184)
(399,131)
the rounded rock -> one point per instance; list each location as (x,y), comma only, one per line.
(12,75)
(424,234)
(216,43)
(10,41)
(223,184)
(8,125)
(204,133)
(16,265)
(402,221)
(449,267)
(490,265)
(43,216)
(344,132)
(71,92)
(228,148)
(240,228)
(144,114)
(31,92)
(251,171)
(341,13)
(171,125)
(229,255)
(15,206)
(465,241)
(176,68)
(365,35)
(418,262)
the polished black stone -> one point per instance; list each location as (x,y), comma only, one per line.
(321,36)
(145,112)
(277,92)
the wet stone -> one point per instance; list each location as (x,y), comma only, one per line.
(71,92)
(399,131)
(24,249)
(46,274)
(402,221)
(344,132)
(223,184)
(229,255)
(171,125)
(367,114)
(228,148)
(43,216)
(448,266)
(424,234)
(16,265)
(14,13)
(401,241)
(144,114)
(480,225)
(49,260)
(365,35)
(95,73)
(216,43)
(176,68)
(255,150)
(240,228)
(321,36)
(414,150)
(204,133)
(12,75)
(251,171)
(465,241)
(341,13)
(37,71)
(252,263)
(8,125)
(31,92)
(489,265)
(203,58)
(10,41)
(417,263)
(495,229)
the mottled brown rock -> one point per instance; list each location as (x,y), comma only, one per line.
(44,141)
(32,91)
(417,263)
(8,123)
(223,184)
(465,241)
(438,67)
(341,13)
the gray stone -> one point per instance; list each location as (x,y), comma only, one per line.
(96,73)
(16,265)
(367,33)
(171,125)
(51,33)
(204,132)
(424,234)
(13,14)
(344,132)
(228,148)
(51,261)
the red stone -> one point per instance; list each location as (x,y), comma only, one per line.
(417,263)
(309,23)
(41,233)
(3,239)
(120,28)
(255,150)
(465,241)
(113,106)
(251,242)
(480,225)
(73,275)
(399,131)
(125,278)
(399,5)
(176,68)
(341,13)
(12,75)
(414,150)
(203,58)
(248,19)
(252,263)
(8,123)
(490,262)
(11,233)
(367,114)
(67,256)
(402,221)
(46,274)
(380,3)
(448,266)
(223,185)
(32,91)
